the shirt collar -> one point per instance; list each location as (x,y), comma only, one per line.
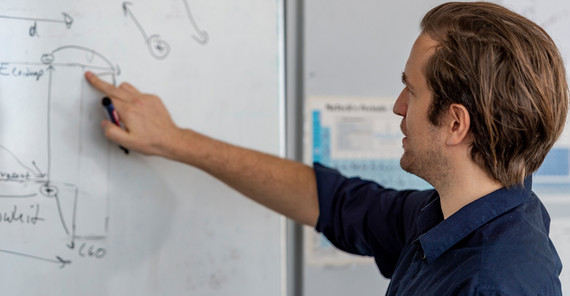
(436,238)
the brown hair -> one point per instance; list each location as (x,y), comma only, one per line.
(509,75)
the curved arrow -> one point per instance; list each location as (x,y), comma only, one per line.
(49,59)
(202,36)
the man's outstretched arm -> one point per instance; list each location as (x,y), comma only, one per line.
(284,186)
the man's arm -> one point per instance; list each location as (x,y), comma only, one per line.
(284,186)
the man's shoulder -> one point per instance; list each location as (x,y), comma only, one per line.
(519,237)
(520,274)
(518,257)
(510,269)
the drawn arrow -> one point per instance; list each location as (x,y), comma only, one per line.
(37,171)
(63,262)
(130,14)
(202,36)
(58,260)
(67,19)
(157,47)
(49,59)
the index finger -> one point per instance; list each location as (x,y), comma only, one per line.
(105,87)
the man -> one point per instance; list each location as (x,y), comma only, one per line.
(485,98)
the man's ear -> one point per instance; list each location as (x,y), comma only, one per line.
(458,124)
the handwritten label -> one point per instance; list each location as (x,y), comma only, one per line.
(27,216)
(88,250)
(16,71)
(20,177)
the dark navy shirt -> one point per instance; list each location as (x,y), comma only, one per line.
(496,245)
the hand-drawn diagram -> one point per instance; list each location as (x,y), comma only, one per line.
(33,31)
(54,161)
(157,46)
(64,179)
(201,36)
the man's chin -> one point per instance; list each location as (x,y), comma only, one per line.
(404,164)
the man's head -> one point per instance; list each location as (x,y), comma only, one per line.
(507,72)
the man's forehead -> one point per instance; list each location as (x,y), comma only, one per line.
(421,51)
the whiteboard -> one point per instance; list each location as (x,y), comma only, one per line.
(81,217)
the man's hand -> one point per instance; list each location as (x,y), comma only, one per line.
(149,129)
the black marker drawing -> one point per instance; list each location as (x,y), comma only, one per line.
(31,190)
(157,47)
(33,31)
(200,36)
(27,174)
(58,260)
(106,68)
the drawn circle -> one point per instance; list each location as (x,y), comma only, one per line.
(48,58)
(158,48)
(100,253)
(49,190)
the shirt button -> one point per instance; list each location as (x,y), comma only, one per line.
(424,256)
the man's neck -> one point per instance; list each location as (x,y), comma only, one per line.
(464,188)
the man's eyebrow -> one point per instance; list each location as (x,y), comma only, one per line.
(404,80)
(407,83)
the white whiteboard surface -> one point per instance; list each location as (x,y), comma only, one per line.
(79,216)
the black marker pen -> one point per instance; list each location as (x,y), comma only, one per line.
(113,116)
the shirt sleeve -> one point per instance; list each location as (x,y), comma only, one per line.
(364,218)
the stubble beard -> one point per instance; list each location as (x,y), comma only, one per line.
(428,165)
